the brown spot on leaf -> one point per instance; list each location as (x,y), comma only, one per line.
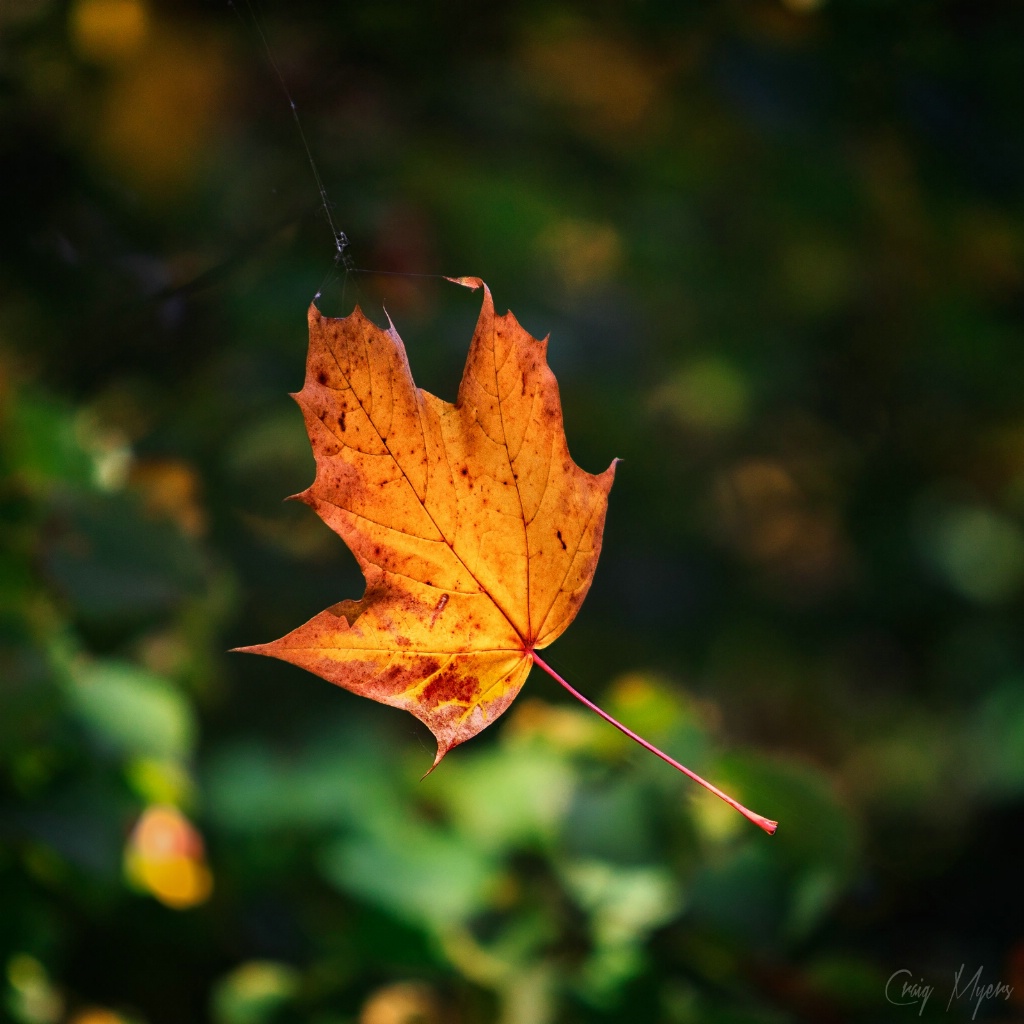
(450,684)
(558,533)
(399,676)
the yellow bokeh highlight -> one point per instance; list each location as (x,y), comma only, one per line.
(177,882)
(654,699)
(170,489)
(165,857)
(109,31)
(611,86)
(406,1002)
(160,114)
(159,781)
(565,729)
(254,992)
(707,394)
(33,997)
(716,820)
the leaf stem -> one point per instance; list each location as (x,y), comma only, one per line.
(767,824)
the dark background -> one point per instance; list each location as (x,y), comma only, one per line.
(779,249)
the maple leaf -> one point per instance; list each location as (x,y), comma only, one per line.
(476,532)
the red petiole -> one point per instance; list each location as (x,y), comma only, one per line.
(766,823)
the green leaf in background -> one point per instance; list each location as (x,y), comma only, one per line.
(423,875)
(130,711)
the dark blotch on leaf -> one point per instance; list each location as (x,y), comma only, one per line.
(450,685)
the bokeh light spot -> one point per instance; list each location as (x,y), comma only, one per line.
(33,998)
(707,394)
(581,252)
(160,114)
(978,552)
(165,857)
(97,1016)
(611,87)
(109,31)
(254,992)
(802,6)
(407,1002)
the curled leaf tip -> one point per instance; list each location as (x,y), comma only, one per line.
(468,282)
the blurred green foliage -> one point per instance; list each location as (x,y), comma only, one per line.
(779,249)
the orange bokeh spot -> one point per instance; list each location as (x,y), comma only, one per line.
(161,112)
(165,857)
(97,1016)
(108,31)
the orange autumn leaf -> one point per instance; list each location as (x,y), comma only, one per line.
(477,533)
